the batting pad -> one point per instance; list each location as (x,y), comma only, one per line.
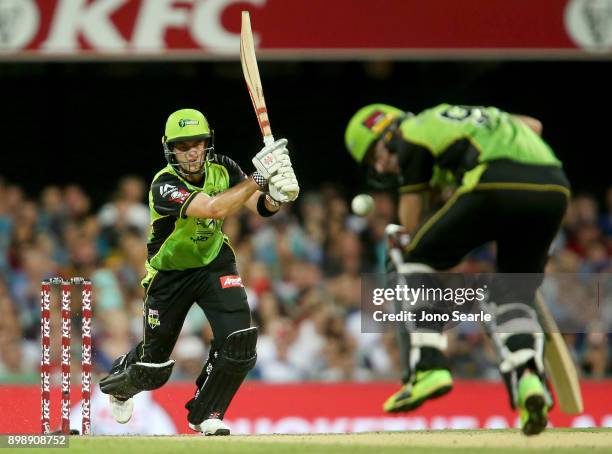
(236,358)
(137,377)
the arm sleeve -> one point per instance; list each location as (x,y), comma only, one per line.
(171,196)
(236,175)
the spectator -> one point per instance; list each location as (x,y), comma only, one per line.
(302,273)
(126,211)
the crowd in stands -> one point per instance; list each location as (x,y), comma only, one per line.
(301,269)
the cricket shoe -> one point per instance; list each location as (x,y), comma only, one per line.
(211,426)
(122,409)
(428,384)
(533,410)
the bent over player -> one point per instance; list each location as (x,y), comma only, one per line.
(191,260)
(511,189)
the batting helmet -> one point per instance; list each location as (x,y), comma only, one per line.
(367,126)
(186,125)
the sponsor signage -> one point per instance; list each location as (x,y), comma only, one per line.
(321,408)
(317,29)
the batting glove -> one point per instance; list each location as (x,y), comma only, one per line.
(284,186)
(269,159)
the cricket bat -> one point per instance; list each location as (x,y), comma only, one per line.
(251,76)
(558,362)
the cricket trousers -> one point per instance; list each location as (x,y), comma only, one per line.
(216,288)
(519,207)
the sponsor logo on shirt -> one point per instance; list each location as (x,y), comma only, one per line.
(230,281)
(173,194)
(186,122)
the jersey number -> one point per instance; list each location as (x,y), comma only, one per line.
(476,115)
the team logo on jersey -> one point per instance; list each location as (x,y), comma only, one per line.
(204,230)
(230,281)
(153,318)
(589,23)
(378,121)
(186,122)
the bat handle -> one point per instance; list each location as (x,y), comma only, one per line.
(268,140)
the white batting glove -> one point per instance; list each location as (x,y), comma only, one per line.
(269,159)
(284,186)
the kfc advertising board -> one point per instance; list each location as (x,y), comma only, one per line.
(315,29)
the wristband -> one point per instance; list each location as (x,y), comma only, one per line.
(272,201)
(262,209)
(260,180)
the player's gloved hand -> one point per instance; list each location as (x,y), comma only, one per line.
(268,160)
(284,186)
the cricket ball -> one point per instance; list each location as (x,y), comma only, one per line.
(362,204)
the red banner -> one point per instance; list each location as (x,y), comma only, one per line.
(303,408)
(297,28)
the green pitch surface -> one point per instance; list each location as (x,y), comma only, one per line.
(557,441)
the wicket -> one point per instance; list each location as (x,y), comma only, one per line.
(45,358)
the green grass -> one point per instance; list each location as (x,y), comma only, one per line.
(557,441)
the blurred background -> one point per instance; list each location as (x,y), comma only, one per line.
(87,86)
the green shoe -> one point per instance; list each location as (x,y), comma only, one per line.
(428,384)
(533,410)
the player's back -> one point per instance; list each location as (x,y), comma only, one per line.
(494,134)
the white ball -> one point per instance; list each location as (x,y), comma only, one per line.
(362,204)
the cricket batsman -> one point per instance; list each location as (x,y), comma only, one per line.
(511,189)
(190,260)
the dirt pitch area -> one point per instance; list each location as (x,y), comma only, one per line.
(549,440)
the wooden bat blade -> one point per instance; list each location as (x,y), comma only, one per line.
(252,78)
(559,363)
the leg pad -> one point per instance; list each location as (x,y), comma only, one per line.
(226,370)
(135,378)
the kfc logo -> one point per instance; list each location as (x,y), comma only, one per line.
(66,409)
(46,414)
(19,22)
(97,25)
(46,379)
(46,332)
(65,382)
(66,328)
(46,299)
(65,300)
(86,300)
(86,382)
(86,354)
(230,281)
(589,23)
(46,355)
(86,330)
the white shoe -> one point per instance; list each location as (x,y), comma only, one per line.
(211,426)
(122,410)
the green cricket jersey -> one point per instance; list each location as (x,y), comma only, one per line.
(178,242)
(455,143)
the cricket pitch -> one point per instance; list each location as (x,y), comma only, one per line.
(557,441)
